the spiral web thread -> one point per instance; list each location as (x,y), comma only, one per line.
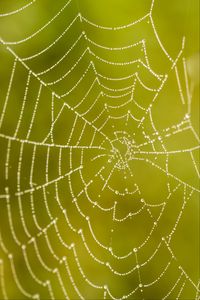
(83,159)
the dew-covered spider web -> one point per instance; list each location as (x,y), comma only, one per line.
(99,170)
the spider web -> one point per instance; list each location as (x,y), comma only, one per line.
(83,153)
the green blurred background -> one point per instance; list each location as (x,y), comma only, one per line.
(34,160)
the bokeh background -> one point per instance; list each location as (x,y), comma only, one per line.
(31,48)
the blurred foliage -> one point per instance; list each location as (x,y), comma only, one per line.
(31,166)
